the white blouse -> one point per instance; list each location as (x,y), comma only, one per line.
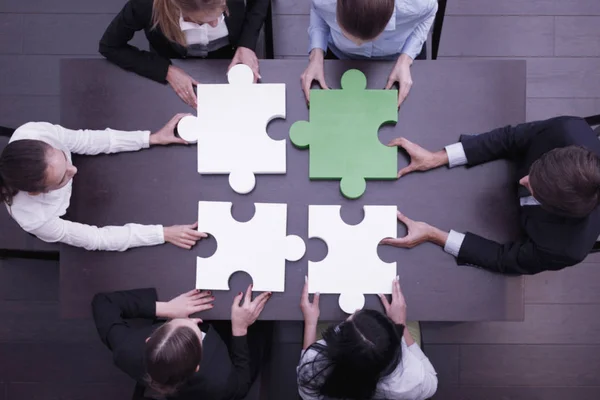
(413,379)
(203,34)
(41,214)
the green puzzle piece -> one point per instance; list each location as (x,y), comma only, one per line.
(342,134)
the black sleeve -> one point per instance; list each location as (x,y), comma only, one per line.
(519,257)
(256,13)
(114,45)
(239,381)
(111,310)
(507,142)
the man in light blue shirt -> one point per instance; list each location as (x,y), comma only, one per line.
(368,29)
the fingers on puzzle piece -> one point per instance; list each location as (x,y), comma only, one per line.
(353,79)
(350,302)
(242,182)
(240,74)
(300,134)
(188,128)
(353,187)
(295,248)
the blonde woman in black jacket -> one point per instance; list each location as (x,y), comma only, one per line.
(216,29)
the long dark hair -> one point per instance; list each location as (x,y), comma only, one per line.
(358,353)
(171,356)
(22,168)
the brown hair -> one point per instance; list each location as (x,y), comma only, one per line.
(566,181)
(172,355)
(166,13)
(22,168)
(364,19)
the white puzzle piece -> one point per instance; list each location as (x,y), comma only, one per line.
(258,247)
(352,267)
(231,129)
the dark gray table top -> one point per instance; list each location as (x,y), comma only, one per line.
(161,185)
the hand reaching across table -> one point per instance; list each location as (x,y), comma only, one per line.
(184,236)
(183,84)
(186,304)
(420,158)
(166,134)
(245,314)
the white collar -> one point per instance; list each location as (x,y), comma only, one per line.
(391,25)
(186,26)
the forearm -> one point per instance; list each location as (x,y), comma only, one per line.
(408,337)
(108,238)
(310,335)
(437,236)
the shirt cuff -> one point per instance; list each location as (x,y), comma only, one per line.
(145,139)
(454,243)
(456,155)
(318,40)
(412,48)
(128,141)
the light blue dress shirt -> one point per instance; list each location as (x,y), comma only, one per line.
(405,33)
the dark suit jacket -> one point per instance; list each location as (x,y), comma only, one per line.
(221,375)
(548,241)
(243,22)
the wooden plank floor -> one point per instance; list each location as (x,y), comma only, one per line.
(554,354)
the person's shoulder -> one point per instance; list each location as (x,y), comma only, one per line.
(33,130)
(27,212)
(414,7)
(325,5)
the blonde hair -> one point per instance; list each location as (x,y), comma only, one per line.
(166,13)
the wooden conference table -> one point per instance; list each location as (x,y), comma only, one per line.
(161,186)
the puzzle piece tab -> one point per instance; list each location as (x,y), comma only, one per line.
(352,267)
(342,134)
(258,247)
(231,129)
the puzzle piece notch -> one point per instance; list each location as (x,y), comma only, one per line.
(353,267)
(258,247)
(343,134)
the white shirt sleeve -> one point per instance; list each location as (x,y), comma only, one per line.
(454,243)
(456,155)
(84,141)
(89,142)
(430,382)
(111,238)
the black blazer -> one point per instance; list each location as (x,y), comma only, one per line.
(243,22)
(548,241)
(222,376)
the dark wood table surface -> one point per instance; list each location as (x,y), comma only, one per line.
(161,186)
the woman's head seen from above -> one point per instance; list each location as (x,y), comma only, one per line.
(358,353)
(34,167)
(167,13)
(172,355)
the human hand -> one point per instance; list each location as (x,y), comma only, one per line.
(183,85)
(244,55)
(185,305)
(244,315)
(401,74)
(396,310)
(311,311)
(166,134)
(314,72)
(184,236)
(420,158)
(418,232)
